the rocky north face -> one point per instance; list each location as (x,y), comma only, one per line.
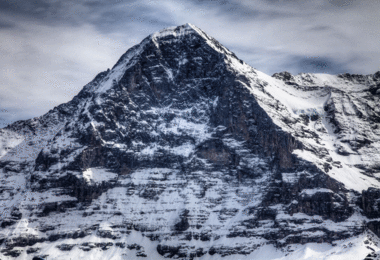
(184,151)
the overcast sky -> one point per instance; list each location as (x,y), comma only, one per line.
(50,49)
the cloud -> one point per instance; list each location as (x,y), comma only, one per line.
(314,64)
(6,25)
(43,66)
(288,29)
(341,3)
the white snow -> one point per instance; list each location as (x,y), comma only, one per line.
(230,142)
(315,92)
(290,177)
(98,175)
(117,72)
(184,150)
(26,147)
(9,140)
(294,99)
(311,192)
(353,248)
(169,31)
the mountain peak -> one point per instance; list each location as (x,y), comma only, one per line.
(180,32)
(181,142)
(178,42)
(176,31)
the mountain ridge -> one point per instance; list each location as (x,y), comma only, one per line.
(182,143)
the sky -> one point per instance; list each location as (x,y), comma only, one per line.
(49,49)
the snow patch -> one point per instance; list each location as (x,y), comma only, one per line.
(98,175)
(311,192)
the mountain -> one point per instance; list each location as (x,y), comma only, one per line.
(184,151)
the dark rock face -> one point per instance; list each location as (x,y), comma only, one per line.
(370,203)
(182,141)
(284,76)
(183,224)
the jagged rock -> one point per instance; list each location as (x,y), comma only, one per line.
(65,247)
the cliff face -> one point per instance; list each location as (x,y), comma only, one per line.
(182,151)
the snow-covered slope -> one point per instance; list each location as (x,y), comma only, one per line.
(183,151)
(347,125)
